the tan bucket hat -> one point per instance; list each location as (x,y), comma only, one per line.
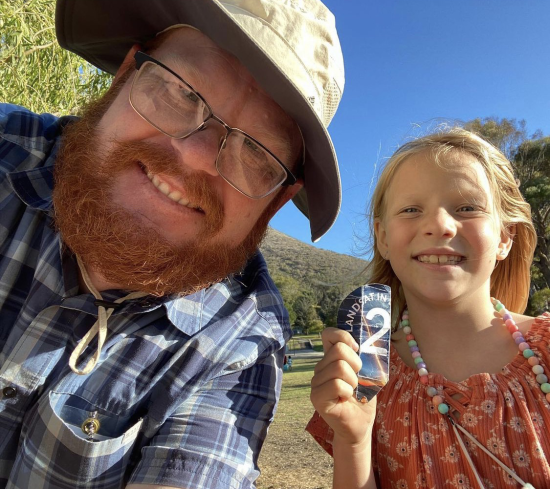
(291,47)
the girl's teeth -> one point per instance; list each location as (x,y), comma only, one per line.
(442,259)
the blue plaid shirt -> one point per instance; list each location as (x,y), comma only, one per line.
(185,388)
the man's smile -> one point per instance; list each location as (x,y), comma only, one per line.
(165,188)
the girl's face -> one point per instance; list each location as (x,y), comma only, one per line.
(440,230)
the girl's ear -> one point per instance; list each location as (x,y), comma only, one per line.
(506,241)
(381,237)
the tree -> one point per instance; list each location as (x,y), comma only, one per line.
(34,70)
(532,164)
(505,134)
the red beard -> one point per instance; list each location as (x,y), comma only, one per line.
(111,242)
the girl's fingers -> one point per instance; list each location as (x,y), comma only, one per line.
(326,396)
(331,336)
(339,351)
(338,369)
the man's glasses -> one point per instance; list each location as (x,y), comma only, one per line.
(170,104)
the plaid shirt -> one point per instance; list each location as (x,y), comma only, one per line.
(185,388)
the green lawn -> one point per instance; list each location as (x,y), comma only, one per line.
(291,459)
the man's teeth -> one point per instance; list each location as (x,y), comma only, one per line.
(451,259)
(174,195)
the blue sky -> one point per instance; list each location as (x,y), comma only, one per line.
(413,64)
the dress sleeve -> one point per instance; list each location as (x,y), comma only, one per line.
(214,438)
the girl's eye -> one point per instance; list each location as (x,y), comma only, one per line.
(466,208)
(409,210)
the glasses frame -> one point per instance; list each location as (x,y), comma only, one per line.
(141,58)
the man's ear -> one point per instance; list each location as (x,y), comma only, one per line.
(288,193)
(506,241)
(381,237)
(128,62)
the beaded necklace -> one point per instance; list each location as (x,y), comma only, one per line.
(443,408)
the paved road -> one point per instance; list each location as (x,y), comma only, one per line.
(309,354)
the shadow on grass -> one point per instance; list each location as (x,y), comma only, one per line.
(298,386)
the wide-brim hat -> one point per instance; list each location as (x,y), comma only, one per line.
(290,47)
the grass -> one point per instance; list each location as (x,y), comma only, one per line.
(291,459)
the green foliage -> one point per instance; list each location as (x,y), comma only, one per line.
(313,282)
(35,72)
(505,134)
(540,302)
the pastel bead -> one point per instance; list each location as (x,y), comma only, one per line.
(443,408)
(519,340)
(508,322)
(431,391)
(409,337)
(421,365)
(405,322)
(415,348)
(423,380)
(542,379)
(437,400)
(537,369)
(517,334)
(415,354)
(533,361)
(412,343)
(418,360)
(523,346)
(506,316)
(407,330)
(512,328)
(528,353)
(545,388)
(422,372)
(499,307)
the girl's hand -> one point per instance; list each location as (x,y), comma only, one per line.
(332,390)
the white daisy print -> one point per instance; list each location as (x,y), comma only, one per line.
(521,458)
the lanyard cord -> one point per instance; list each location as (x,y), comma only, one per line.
(511,473)
(100,326)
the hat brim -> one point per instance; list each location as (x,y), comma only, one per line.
(103,31)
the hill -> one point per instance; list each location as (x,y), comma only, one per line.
(313,282)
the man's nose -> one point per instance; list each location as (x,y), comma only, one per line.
(440,223)
(199,151)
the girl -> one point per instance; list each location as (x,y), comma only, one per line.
(462,408)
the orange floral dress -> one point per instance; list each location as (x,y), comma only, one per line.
(415,447)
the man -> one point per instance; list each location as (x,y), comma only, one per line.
(141,337)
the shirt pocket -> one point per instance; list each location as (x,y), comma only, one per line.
(55,450)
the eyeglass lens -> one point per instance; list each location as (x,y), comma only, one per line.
(177,110)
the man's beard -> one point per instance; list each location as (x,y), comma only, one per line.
(112,242)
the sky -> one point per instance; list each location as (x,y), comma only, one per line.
(413,64)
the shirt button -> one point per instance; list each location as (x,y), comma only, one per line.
(9,392)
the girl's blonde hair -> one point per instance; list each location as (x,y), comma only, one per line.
(511,279)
